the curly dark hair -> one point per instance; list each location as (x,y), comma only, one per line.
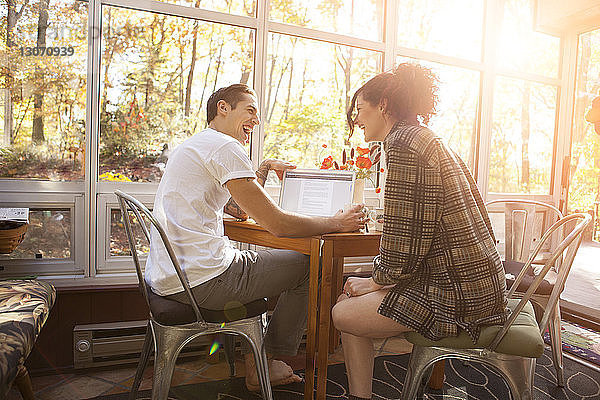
(407,92)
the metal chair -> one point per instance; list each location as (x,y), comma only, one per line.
(519,236)
(172,324)
(512,348)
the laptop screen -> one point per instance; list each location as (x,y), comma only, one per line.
(316,192)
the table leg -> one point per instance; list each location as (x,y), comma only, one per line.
(311,330)
(337,280)
(324,318)
(436,381)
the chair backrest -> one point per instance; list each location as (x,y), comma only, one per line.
(566,249)
(520,224)
(129,203)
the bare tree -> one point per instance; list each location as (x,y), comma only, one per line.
(525,131)
(37,134)
(11,21)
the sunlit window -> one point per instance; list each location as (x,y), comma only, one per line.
(522,137)
(48,236)
(449,27)
(358,18)
(585,159)
(44,90)
(157,74)
(240,7)
(522,49)
(456,118)
(307,97)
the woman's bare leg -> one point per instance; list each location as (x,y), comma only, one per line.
(358,320)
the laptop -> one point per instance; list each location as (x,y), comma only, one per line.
(316,192)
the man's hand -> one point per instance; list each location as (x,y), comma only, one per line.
(351,219)
(355,286)
(279,166)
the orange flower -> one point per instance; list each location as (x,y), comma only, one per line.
(324,146)
(381,170)
(344,167)
(351,162)
(363,162)
(327,163)
(361,151)
(378,190)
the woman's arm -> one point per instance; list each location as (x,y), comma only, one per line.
(413,203)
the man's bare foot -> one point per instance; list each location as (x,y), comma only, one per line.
(279,373)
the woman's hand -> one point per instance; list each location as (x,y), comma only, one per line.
(355,286)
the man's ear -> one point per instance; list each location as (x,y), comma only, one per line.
(223,107)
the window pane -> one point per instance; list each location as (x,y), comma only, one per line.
(157,73)
(119,246)
(240,7)
(48,236)
(520,48)
(449,27)
(522,137)
(308,95)
(358,18)
(585,162)
(456,117)
(44,94)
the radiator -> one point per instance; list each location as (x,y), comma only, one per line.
(97,345)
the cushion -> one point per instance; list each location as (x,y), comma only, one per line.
(522,339)
(170,312)
(24,309)
(514,268)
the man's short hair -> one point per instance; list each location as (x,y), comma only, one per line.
(231,94)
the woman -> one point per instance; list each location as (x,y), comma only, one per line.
(438,270)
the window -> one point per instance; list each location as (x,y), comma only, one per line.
(522,136)
(308,96)
(449,27)
(48,236)
(157,74)
(456,117)
(585,159)
(241,7)
(522,49)
(358,18)
(44,97)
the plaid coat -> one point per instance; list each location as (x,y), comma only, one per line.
(437,247)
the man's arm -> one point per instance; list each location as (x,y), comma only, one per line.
(232,207)
(250,196)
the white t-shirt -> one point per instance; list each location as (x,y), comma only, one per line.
(189,205)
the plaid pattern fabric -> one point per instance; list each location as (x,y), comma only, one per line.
(437,247)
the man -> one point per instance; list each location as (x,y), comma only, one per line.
(210,173)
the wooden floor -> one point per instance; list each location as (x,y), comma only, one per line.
(582,290)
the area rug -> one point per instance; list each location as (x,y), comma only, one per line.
(463,381)
(579,341)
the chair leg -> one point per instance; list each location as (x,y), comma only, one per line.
(254,334)
(23,383)
(519,373)
(142,363)
(419,364)
(556,344)
(229,347)
(166,349)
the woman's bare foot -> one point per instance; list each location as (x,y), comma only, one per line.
(279,374)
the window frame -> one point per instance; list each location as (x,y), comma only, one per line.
(91,200)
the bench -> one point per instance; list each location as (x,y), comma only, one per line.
(24,308)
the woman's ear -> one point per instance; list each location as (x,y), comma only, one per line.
(383,106)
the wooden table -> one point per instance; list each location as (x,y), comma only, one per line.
(335,248)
